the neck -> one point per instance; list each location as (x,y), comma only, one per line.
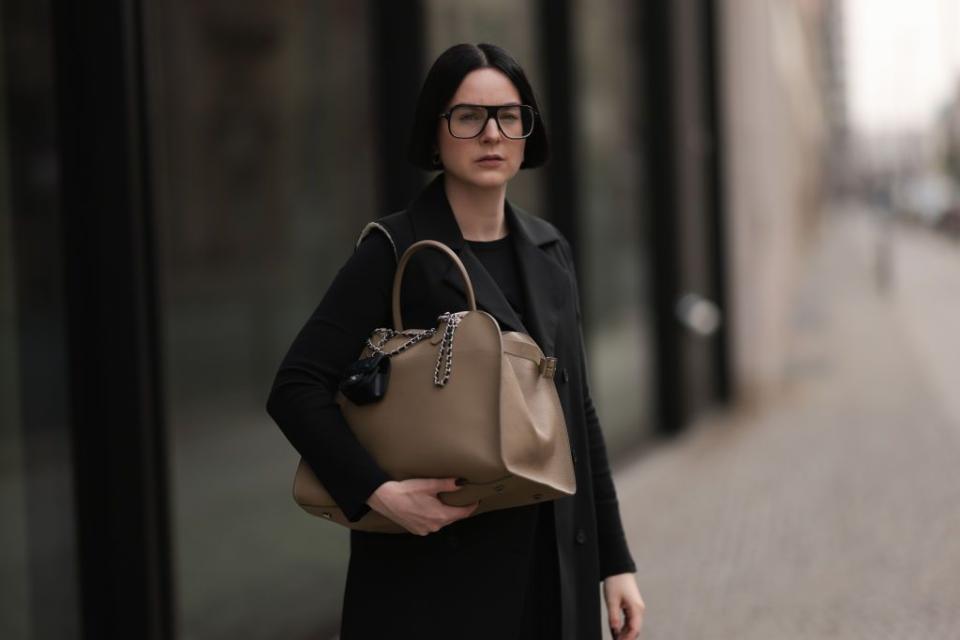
(479,211)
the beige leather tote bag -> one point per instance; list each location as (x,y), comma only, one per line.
(463,400)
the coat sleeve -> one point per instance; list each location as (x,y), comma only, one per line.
(302,398)
(612,545)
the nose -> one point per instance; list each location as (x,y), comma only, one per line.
(490,130)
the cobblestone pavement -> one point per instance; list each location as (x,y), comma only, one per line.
(832,510)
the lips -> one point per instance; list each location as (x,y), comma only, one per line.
(489,158)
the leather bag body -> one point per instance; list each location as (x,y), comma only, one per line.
(496,422)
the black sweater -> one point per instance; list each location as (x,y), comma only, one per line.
(500,262)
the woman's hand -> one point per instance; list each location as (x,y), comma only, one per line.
(413,504)
(623,597)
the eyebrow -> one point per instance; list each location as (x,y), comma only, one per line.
(477,104)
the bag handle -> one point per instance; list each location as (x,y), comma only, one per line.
(398,276)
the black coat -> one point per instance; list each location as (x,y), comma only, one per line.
(466,580)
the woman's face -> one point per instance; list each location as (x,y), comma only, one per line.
(464,159)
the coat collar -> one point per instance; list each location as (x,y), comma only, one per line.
(545,281)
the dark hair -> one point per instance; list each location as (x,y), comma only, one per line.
(442,81)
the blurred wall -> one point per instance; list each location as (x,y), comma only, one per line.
(774,122)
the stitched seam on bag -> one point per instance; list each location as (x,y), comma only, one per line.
(376,225)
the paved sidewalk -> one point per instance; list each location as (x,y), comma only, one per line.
(834,510)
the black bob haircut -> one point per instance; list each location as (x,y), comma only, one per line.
(442,81)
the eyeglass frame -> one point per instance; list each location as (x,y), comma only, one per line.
(493,111)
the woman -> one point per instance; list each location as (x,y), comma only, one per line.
(524,572)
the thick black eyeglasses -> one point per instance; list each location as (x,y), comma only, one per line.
(515,121)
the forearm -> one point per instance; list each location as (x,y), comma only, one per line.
(316,428)
(614,552)
(302,400)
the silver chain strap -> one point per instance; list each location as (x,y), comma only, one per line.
(446,349)
(445,354)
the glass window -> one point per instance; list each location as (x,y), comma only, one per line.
(614,268)
(39,580)
(14,575)
(264,177)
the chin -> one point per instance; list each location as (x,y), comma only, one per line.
(483,179)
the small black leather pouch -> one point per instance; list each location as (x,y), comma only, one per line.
(365,381)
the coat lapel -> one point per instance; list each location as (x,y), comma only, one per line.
(545,281)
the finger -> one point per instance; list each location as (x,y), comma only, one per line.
(632,626)
(613,613)
(444,484)
(430,486)
(624,633)
(461,512)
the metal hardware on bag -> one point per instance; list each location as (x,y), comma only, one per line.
(446,348)
(445,353)
(415,335)
(548,366)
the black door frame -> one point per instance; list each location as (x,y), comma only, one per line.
(111,277)
(679,49)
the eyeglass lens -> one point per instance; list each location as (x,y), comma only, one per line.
(516,121)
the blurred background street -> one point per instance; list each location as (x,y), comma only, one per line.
(830,510)
(763,200)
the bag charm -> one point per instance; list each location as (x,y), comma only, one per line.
(365,381)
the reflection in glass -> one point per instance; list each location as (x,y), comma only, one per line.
(39,581)
(264,173)
(14,575)
(613,268)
